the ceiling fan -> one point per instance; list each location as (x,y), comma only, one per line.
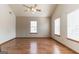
(32,8)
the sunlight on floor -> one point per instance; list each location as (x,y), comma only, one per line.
(56,50)
(33,47)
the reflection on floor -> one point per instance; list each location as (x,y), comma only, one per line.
(35,46)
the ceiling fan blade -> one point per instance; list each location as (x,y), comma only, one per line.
(38,10)
(25,10)
(35,5)
(26,6)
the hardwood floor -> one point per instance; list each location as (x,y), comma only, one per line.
(35,46)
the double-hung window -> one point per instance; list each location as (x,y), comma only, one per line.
(57,26)
(73,25)
(33,26)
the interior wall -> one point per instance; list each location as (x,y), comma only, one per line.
(62,11)
(7,23)
(23,26)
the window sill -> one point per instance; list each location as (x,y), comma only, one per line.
(57,35)
(33,33)
(73,40)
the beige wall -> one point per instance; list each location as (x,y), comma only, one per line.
(7,24)
(23,26)
(62,11)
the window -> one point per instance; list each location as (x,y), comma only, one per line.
(73,25)
(33,26)
(57,26)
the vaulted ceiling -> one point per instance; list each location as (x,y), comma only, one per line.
(46,10)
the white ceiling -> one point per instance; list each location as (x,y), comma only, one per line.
(47,10)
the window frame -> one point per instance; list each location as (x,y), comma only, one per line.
(72,39)
(31,27)
(55,28)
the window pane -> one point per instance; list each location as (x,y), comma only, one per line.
(57,26)
(73,25)
(33,26)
